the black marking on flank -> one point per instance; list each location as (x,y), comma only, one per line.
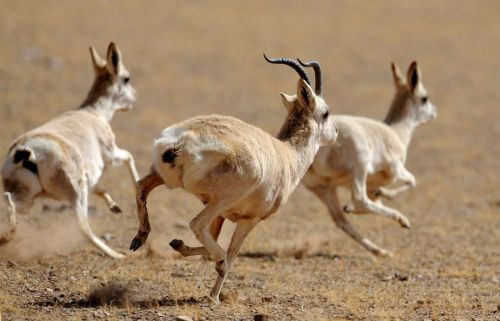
(169,156)
(29,165)
(21,155)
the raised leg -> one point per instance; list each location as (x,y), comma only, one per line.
(9,235)
(243,227)
(121,156)
(330,198)
(363,204)
(142,190)
(112,205)
(200,226)
(81,209)
(184,250)
(403,175)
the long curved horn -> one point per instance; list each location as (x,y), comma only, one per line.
(285,61)
(317,74)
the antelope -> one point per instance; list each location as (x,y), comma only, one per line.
(237,170)
(369,155)
(64,158)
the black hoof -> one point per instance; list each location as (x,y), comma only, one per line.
(136,244)
(115,209)
(176,244)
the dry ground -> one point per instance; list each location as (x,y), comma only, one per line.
(190,58)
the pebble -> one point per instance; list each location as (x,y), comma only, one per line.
(261,317)
(183,318)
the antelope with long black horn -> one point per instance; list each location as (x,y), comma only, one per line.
(237,170)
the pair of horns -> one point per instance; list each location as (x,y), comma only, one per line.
(302,73)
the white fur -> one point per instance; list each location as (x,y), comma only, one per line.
(71,151)
(369,155)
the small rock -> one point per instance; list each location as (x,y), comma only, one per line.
(261,317)
(183,318)
(401,277)
(49,290)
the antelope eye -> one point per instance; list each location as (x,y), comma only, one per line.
(424,99)
(126,80)
(325,115)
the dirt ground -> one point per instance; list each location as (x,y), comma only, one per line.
(191,57)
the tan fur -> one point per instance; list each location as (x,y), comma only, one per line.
(241,172)
(370,155)
(69,153)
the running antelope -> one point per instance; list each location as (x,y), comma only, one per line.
(237,170)
(369,155)
(64,158)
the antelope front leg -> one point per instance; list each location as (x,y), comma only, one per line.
(120,156)
(405,176)
(363,204)
(142,190)
(9,235)
(243,227)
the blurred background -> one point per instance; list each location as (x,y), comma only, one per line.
(201,57)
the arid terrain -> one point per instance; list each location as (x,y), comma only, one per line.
(191,57)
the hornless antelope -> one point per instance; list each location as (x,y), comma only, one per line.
(64,158)
(237,170)
(369,155)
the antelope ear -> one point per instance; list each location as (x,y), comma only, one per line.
(305,94)
(97,61)
(413,76)
(287,101)
(114,58)
(397,77)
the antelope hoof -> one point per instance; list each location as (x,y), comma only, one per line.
(214,299)
(405,222)
(176,244)
(115,208)
(138,241)
(383,253)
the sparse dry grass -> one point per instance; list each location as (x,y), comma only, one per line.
(296,265)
